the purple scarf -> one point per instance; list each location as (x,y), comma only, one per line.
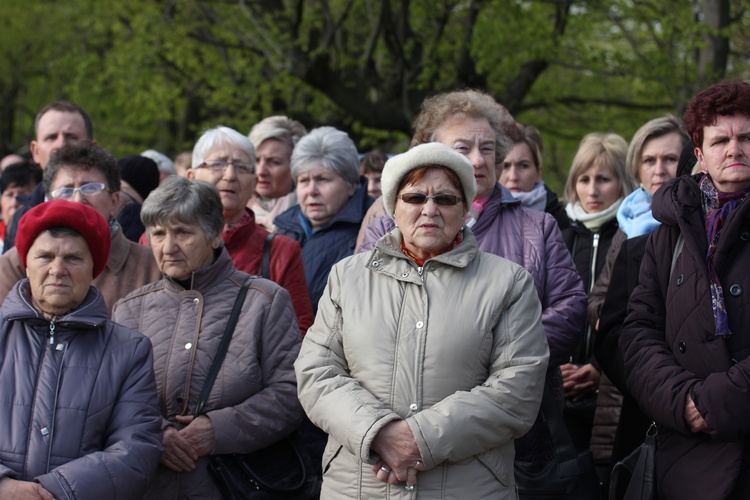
(717,207)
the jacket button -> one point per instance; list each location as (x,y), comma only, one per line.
(420,324)
(735,290)
(44,431)
(744,236)
(413,407)
(405,274)
(376,264)
(197,300)
(680,279)
(188,346)
(682,346)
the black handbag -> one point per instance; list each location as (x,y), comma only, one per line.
(277,471)
(634,477)
(570,476)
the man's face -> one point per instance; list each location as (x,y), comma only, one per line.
(60,271)
(56,129)
(104,202)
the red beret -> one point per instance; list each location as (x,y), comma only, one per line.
(61,213)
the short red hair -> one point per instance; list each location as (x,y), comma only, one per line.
(726,98)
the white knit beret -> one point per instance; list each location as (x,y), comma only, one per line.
(431,153)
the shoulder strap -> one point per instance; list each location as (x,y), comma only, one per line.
(223,347)
(565,450)
(265,263)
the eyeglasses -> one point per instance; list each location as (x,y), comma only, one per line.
(67,193)
(219,166)
(444,200)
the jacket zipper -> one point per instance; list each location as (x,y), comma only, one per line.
(51,332)
(594,251)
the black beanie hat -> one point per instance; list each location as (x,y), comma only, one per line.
(140,172)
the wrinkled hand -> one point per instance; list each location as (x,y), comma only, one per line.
(12,489)
(183,448)
(578,381)
(199,433)
(178,454)
(397,448)
(693,417)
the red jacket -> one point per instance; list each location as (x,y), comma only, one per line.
(245,245)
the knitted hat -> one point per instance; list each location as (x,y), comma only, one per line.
(140,172)
(428,154)
(62,213)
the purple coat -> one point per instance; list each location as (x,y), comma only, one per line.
(533,240)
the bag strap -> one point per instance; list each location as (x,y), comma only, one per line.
(565,449)
(223,347)
(265,263)
(676,253)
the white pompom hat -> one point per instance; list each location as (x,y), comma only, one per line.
(431,153)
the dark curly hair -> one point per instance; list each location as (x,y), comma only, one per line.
(725,98)
(84,155)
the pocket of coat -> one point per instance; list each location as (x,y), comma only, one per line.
(332,450)
(496,463)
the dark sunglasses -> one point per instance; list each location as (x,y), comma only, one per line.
(444,200)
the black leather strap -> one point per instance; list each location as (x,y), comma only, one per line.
(265,263)
(565,449)
(223,347)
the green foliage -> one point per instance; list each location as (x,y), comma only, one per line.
(154,73)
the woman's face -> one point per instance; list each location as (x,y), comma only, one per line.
(9,203)
(180,249)
(322,193)
(519,172)
(272,170)
(429,229)
(235,187)
(475,139)
(597,188)
(659,160)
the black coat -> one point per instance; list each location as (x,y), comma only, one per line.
(670,349)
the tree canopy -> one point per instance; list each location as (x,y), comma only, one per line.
(154,73)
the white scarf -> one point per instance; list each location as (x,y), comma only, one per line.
(595,221)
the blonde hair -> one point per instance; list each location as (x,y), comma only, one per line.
(652,129)
(607,150)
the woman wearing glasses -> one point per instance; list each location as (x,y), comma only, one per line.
(225,158)
(333,200)
(87,173)
(424,389)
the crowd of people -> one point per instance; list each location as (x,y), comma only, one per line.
(402,316)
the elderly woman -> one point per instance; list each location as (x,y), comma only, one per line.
(597,184)
(332,202)
(684,341)
(79,407)
(84,172)
(476,126)
(225,158)
(253,402)
(274,139)
(425,389)
(521,172)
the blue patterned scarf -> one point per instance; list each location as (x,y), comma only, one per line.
(717,207)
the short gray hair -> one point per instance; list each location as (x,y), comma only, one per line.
(188,202)
(330,148)
(217,136)
(281,128)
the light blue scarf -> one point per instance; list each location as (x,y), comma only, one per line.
(536,199)
(634,215)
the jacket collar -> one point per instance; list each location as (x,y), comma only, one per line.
(90,313)
(118,254)
(388,258)
(208,277)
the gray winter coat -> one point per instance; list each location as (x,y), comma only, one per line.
(254,399)
(456,348)
(78,407)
